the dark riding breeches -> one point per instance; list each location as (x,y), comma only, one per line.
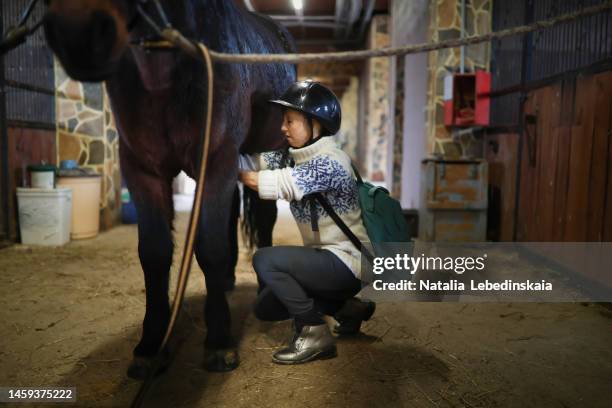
(303,283)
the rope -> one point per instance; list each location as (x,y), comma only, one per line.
(410,49)
(197,203)
(172,38)
(191,231)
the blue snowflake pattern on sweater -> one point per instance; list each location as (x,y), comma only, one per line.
(276,159)
(327,176)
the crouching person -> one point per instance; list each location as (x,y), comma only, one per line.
(321,277)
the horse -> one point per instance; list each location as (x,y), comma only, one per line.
(158,99)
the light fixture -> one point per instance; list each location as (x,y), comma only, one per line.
(298,4)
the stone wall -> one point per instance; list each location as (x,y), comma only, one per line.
(375,138)
(347,137)
(86,133)
(445,23)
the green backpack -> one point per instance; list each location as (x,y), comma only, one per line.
(381,214)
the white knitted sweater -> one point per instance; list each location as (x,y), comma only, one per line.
(321,167)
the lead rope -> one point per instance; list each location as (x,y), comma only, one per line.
(194,219)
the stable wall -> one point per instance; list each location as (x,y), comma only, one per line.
(347,137)
(445,24)
(410,24)
(416,86)
(86,133)
(375,116)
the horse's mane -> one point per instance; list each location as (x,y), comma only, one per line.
(225,27)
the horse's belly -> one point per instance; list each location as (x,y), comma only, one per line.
(150,156)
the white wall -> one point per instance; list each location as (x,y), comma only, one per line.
(410,23)
(347,137)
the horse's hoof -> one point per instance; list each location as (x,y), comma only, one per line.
(141,367)
(220,361)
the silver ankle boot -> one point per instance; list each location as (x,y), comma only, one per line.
(313,342)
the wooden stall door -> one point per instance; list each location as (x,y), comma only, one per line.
(4,184)
(4,228)
(502,155)
(565,191)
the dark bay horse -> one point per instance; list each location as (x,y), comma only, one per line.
(158,99)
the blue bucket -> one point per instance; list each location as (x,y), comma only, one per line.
(128,208)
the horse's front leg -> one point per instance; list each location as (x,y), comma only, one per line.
(213,253)
(153,199)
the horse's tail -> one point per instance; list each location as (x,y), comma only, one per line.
(248,224)
(258,219)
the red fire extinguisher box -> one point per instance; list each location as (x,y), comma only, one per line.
(467,99)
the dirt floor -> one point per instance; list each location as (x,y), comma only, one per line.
(70,317)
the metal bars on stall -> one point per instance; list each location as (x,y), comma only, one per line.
(28,74)
(4,167)
(541,57)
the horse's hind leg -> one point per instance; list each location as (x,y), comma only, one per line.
(153,199)
(266,213)
(233,239)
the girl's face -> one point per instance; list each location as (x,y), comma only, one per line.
(296,128)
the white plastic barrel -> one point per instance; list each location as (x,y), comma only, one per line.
(86,191)
(44,215)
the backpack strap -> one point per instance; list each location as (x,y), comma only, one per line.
(347,231)
(359,179)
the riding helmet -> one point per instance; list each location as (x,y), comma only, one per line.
(316,101)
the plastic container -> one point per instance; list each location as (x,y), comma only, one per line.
(86,204)
(68,165)
(128,208)
(44,215)
(42,175)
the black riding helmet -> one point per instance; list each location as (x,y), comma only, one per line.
(316,101)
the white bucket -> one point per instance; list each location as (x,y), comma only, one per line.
(43,179)
(42,175)
(44,215)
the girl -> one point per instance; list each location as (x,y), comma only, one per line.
(322,277)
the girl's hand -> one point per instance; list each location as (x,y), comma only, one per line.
(249,179)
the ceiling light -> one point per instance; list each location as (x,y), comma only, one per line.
(298,4)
